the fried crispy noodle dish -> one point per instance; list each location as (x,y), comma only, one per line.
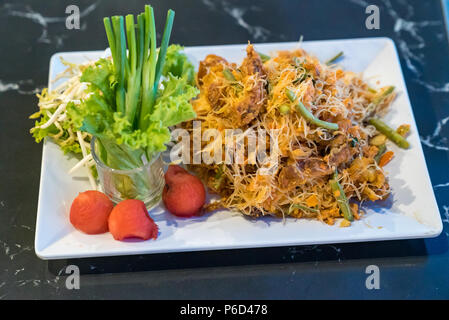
(325,155)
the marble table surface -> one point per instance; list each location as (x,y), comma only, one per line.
(31,31)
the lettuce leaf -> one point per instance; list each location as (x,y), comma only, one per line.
(173,106)
(123,144)
(101,78)
(178,65)
(60,138)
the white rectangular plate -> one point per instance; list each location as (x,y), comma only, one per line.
(410,212)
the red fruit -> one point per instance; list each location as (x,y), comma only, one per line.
(184,194)
(90,211)
(130,219)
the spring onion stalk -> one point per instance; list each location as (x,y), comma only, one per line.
(390,133)
(310,118)
(163,48)
(341,198)
(119,57)
(135,69)
(149,68)
(138,73)
(301,207)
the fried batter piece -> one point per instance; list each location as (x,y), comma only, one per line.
(239,99)
(253,94)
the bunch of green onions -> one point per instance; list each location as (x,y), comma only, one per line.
(137,72)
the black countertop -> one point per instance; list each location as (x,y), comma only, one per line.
(31,31)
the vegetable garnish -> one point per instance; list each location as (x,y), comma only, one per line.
(389,133)
(386,158)
(334,58)
(341,198)
(127,109)
(99,98)
(54,122)
(301,207)
(302,110)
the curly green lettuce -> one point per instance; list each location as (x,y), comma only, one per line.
(123,142)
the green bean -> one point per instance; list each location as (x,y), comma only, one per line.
(263,57)
(389,133)
(377,100)
(229,75)
(301,207)
(382,149)
(340,195)
(301,109)
(333,59)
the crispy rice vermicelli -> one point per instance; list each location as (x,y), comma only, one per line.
(253,97)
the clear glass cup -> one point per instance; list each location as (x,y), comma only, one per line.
(144,183)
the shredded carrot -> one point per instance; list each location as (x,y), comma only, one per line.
(387,156)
